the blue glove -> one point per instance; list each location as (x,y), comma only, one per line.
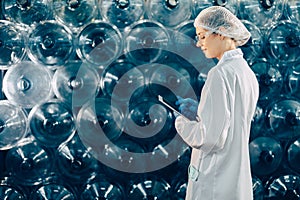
(188,107)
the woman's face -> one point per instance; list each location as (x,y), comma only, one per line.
(210,43)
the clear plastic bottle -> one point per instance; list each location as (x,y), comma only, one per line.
(26,11)
(170,79)
(145,42)
(102,188)
(12,44)
(199,5)
(99,122)
(28,84)
(150,188)
(100,43)
(266,154)
(283,187)
(75,13)
(52,123)
(258,189)
(284,119)
(253,48)
(50,43)
(29,163)
(122,13)
(269,77)
(122,159)
(11,192)
(283,42)
(76,83)
(13,124)
(169,12)
(121,80)
(148,121)
(292,10)
(75,162)
(53,190)
(292,81)
(261,13)
(293,155)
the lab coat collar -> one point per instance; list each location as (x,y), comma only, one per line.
(231,54)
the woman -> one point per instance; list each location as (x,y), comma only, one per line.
(220,165)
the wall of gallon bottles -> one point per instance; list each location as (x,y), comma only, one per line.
(79,114)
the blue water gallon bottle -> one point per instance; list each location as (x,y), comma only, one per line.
(28,84)
(99,43)
(122,13)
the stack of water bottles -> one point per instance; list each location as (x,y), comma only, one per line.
(79,113)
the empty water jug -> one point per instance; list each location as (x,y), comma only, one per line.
(122,80)
(101,188)
(284,119)
(75,162)
(293,155)
(75,13)
(50,43)
(199,5)
(150,188)
(258,123)
(99,122)
(11,192)
(100,43)
(146,41)
(261,13)
(169,12)
(28,84)
(283,42)
(148,121)
(292,10)
(52,191)
(124,155)
(76,83)
(269,77)
(258,188)
(266,155)
(284,187)
(122,13)
(253,48)
(12,44)
(13,124)
(26,11)
(52,123)
(29,163)
(292,81)
(170,78)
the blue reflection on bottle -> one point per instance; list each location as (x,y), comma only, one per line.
(150,188)
(75,162)
(122,13)
(284,119)
(52,123)
(283,187)
(293,155)
(266,155)
(283,42)
(169,12)
(27,11)
(29,163)
(75,13)
(145,41)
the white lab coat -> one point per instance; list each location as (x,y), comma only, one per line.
(220,140)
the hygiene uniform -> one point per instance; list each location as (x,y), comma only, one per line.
(220,165)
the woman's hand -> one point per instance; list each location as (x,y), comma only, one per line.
(188,107)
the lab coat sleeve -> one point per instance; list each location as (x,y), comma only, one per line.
(210,133)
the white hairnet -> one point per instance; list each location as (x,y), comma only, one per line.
(220,20)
